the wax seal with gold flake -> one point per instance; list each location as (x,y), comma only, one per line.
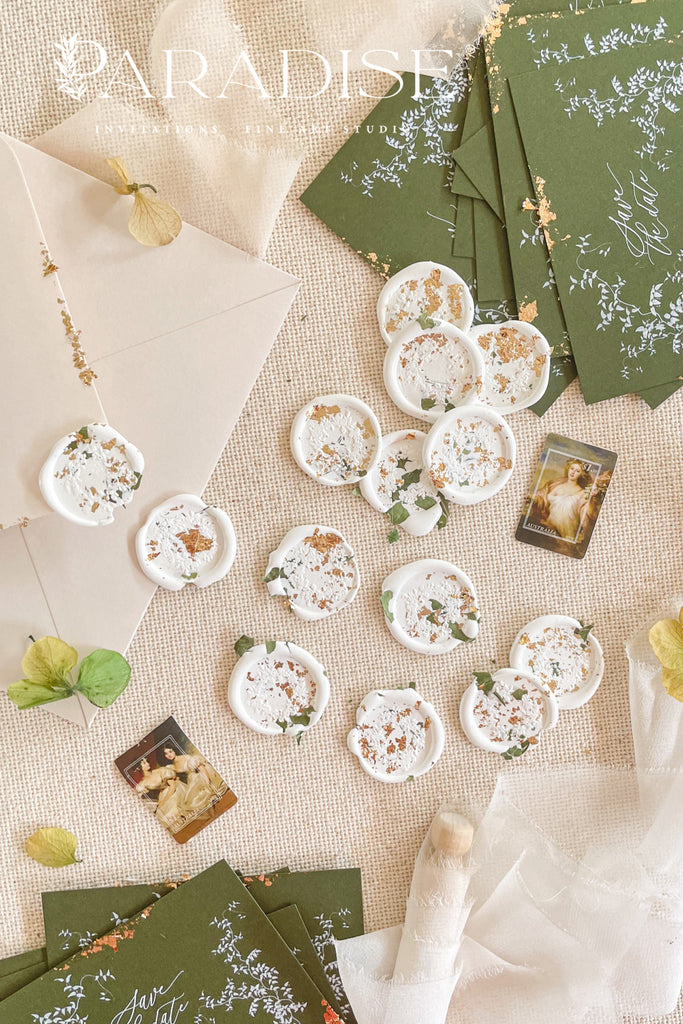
(505,712)
(470,454)
(516,364)
(432,367)
(424,289)
(398,735)
(277,688)
(399,484)
(315,570)
(183,541)
(430,606)
(91,473)
(335,439)
(563,655)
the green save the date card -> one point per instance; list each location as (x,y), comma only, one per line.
(607,177)
(203,953)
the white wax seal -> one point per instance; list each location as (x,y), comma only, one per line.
(429,370)
(335,439)
(315,569)
(516,364)
(184,540)
(398,480)
(470,454)
(506,710)
(563,655)
(90,473)
(397,736)
(430,606)
(429,289)
(278,688)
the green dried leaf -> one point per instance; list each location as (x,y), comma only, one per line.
(425,321)
(484,681)
(412,686)
(393,536)
(518,694)
(270,646)
(27,694)
(584,632)
(244,644)
(102,677)
(384,601)
(428,403)
(516,751)
(49,661)
(398,514)
(54,847)
(426,501)
(445,513)
(436,605)
(411,478)
(274,574)
(356,492)
(458,634)
(189,576)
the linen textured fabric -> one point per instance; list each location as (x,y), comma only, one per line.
(311,806)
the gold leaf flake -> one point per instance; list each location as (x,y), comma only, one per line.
(195,541)
(528,311)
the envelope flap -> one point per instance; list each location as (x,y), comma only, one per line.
(44,392)
(120,292)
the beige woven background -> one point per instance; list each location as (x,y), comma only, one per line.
(311,806)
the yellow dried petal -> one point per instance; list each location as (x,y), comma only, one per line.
(118,167)
(666,640)
(153,221)
(54,847)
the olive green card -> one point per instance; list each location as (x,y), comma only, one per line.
(17,971)
(386,192)
(203,951)
(531,39)
(616,246)
(331,905)
(291,927)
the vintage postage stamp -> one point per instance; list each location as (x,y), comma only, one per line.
(184,790)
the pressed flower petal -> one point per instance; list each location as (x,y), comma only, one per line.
(153,221)
(54,847)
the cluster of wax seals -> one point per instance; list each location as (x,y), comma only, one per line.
(555,664)
(459,378)
(94,471)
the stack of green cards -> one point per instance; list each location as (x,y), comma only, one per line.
(558,164)
(257,949)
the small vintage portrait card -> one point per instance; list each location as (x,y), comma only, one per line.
(173,776)
(567,493)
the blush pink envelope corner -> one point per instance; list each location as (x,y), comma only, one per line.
(177,337)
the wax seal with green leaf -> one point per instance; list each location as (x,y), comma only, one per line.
(666,640)
(48,667)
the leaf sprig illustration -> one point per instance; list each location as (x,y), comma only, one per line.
(48,675)
(152,221)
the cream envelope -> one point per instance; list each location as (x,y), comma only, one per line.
(176,336)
